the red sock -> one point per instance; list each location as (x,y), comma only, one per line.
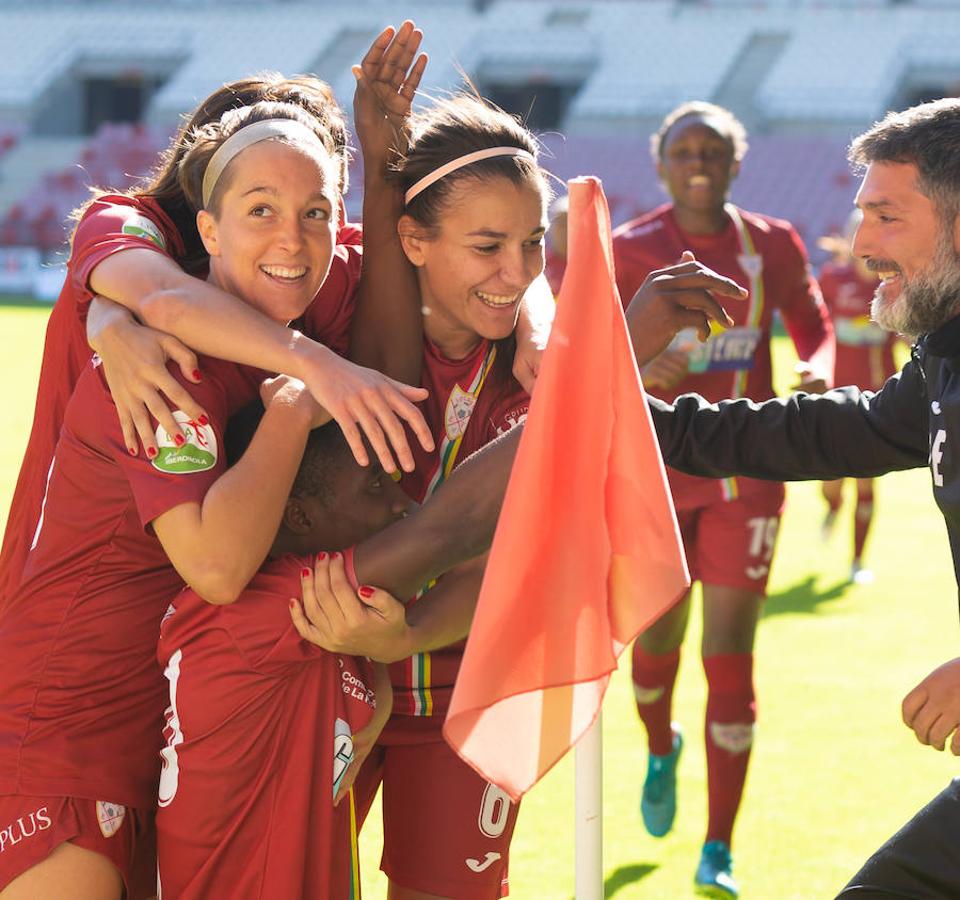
(653,680)
(731,712)
(861,520)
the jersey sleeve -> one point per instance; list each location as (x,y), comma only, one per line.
(327,320)
(805,314)
(108,226)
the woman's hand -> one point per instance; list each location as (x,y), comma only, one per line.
(387,79)
(357,396)
(537,310)
(135,366)
(368,623)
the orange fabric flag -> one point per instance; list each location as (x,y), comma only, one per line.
(587,551)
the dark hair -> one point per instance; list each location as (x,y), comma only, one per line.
(207,139)
(326,451)
(162,185)
(735,131)
(927,136)
(451,128)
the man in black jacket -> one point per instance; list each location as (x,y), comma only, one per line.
(910,236)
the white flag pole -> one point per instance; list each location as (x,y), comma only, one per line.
(588,776)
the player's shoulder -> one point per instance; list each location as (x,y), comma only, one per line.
(139,218)
(641,228)
(769,228)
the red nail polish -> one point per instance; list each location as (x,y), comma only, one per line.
(321,556)
(304,573)
(132,451)
(365,591)
(196,375)
(335,555)
(178,439)
(151,452)
(202,419)
(293,603)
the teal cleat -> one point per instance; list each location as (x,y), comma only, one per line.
(658,802)
(714,876)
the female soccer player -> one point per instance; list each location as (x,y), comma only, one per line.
(729,527)
(864,358)
(143,251)
(81,708)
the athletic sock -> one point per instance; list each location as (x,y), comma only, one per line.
(731,713)
(862,519)
(653,679)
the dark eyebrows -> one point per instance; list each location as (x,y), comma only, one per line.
(273,192)
(877,204)
(501,235)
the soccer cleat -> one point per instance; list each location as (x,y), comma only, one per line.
(714,876)
(658,802)
(860,575)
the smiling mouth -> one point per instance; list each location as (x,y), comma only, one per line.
(285,274)
(497,301)
(698,181)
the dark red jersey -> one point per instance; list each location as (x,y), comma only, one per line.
(82,698)
(472,400)
(258,735)
(764,255)
(864,349)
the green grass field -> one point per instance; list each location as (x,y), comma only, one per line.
(834,771)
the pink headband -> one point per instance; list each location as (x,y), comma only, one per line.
(461,161)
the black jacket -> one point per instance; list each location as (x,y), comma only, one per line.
(914,420)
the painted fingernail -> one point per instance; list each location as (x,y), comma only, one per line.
(196,375)
(202,419)
(304,573)
(178,439)
(321,556)
(293,603)
(335,555)
(132,451)
(365,591)
(151,452)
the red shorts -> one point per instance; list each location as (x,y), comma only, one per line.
(730,543)
(31,828)
(446,831)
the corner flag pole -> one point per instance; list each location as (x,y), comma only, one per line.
(588,790)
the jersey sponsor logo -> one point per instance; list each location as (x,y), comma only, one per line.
(732,348)
(342,752)
(197,454)
(646,696)
(735,737)
(110,816)
(356,688)
(936,456)
(476,865)
(24,827)
(513,418)
(142,227)
(459,409)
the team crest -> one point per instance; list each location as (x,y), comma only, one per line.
(142,227)
(197,454)
(751,263)
(342,752)
(110,816)
(458,412)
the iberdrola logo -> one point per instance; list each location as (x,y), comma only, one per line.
(197,453)
(142,227)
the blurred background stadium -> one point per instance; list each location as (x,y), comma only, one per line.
(91,90)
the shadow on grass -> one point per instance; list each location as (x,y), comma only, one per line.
(624,876)
(804,597)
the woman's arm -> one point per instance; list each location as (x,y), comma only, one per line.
(213,322)
(217,545)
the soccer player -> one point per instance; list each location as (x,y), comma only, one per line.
(864,358)
(729,527)
(143,251)
(910,197)
(264,731)
(120,532)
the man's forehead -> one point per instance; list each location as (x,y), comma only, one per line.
(888,184)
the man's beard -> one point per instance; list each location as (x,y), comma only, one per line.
(927,300)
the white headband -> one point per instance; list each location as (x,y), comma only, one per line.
(461,161)
(245,137)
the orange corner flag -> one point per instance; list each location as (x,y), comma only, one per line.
(587,551)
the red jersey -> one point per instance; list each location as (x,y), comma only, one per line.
(114,222)
(82,700)
(259,732)
(472,401)
(767,257)
(864,349)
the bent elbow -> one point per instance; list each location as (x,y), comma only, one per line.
(219,587)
